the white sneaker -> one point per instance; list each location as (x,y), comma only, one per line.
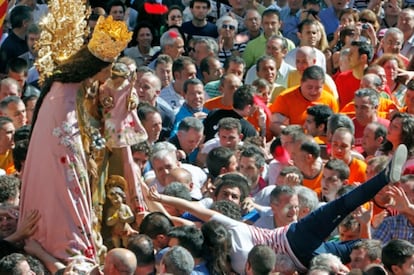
(394,168)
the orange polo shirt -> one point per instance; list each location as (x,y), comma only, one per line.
(358,170)
(215,103)
(293,105)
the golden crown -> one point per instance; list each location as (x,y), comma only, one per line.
(109,39)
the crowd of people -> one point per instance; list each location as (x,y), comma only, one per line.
(204,137)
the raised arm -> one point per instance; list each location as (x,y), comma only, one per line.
(194,208)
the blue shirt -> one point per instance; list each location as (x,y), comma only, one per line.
(209,29)
(290,24)
(329,20)
(395,227)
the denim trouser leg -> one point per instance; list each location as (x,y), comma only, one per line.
(309,233)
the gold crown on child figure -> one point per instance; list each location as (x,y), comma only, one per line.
(109,39)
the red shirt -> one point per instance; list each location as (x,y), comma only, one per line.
(347,85)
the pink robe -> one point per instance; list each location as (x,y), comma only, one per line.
(55,178)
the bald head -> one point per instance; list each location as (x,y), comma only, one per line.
(372,81)
(120,261)
(180,175)
(305,57)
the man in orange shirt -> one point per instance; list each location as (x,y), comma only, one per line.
(342,144)
(229,83)
(307,159)
(291,105)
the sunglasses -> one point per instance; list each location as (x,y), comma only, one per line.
(230,27)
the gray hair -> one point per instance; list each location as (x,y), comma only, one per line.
(327,260)
(210,43)
(285,44)
(169,38)
(307,197)
(191,123)
(370,93)
(221,20)
(178,261)
(164,145)
(394,30)
(163,154)
(9,82)
(7,100)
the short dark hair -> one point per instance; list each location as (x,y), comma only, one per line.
(155,223)
(189,237)
(263,59)
(180,63)
(243,97)
(205,64)
(114,3)
(311,147)
(9,264)
(252,151)
(340,167)
(262,259)
(396,252)
(229,123)
(306,22)
(233,180)
(145,109)
(281,190)
(314,72)
(234,59)
(320,113)
(268,12)
(20,153)
(18,65)
(141,245)
(217,158)
(201,1)
(228,208)
(9,187)
(143,147)
(364,48)
(19,14)
(191,123)
(373,248)
(191,81)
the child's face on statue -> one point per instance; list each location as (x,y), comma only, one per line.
(114,197)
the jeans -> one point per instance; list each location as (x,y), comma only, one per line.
(307,237)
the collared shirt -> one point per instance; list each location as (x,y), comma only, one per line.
(396,227)
(140,58)
(290,24)
(257,48)
(174,99)
(408,48)
(329,20)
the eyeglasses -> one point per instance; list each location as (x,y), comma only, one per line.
(230,27)
(176,17)
(191,49)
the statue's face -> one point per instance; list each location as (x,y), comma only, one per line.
(115,197)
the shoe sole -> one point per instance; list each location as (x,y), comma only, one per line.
(398,160)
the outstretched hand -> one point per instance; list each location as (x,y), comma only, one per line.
(154,195)
(401,201)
